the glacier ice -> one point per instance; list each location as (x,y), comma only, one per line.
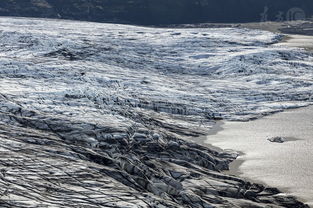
(94,114)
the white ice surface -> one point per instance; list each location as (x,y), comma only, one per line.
(89,71)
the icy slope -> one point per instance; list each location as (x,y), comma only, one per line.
(94,101)
(232,72)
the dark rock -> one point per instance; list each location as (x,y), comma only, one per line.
(277,139)
(153,12)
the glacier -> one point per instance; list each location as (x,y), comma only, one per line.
(101,115)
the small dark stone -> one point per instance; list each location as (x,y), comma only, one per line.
(277,139)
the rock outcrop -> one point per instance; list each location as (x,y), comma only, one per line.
(155,12)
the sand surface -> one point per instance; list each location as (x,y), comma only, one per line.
(286,165)
(300,41)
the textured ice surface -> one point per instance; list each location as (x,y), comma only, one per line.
(232,73)
(94,114)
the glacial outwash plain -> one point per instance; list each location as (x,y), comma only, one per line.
(106,115)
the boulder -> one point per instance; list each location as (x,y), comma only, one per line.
(277,139)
